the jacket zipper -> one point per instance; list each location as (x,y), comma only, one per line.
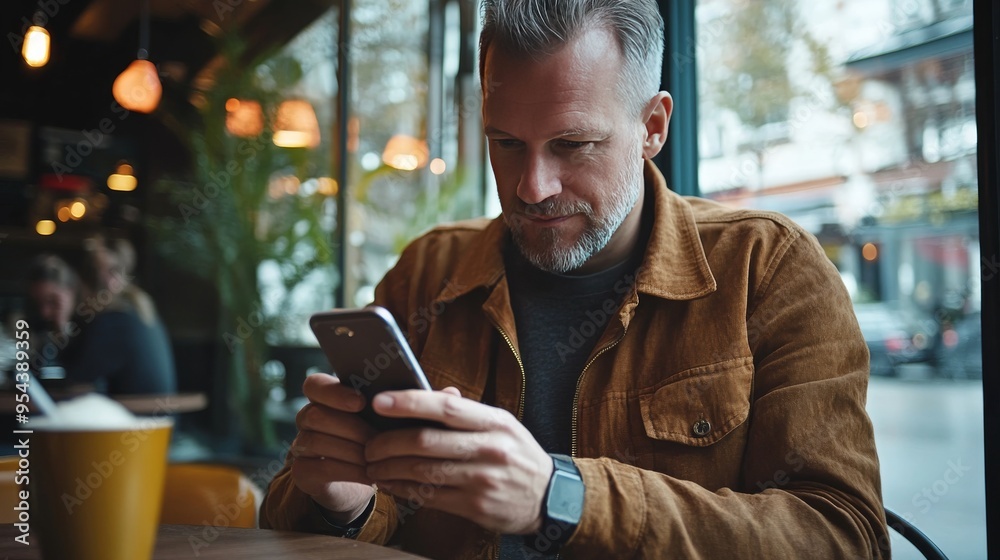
(520,404)
(576,395)
(579,383)
(520,365)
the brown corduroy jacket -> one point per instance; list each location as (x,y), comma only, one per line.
(721,414)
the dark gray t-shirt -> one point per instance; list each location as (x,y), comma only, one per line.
(559,319)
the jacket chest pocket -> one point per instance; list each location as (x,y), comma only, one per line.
(693,424)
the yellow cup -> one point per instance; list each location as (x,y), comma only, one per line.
(97,492)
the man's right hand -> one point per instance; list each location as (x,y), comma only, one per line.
(329,450)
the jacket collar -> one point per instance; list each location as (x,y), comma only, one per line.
(674,266)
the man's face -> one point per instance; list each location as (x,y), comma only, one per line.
(566,152)
(55,303)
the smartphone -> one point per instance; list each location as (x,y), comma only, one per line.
(368,352)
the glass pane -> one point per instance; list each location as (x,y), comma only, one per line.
(410,162)
(299,218)
(255,216)
(857,120)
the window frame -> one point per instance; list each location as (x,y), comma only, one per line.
(986,39)
(679,158)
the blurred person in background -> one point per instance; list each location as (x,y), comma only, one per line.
(102,330)
(110,267)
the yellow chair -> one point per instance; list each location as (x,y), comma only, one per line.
(193,494)
(216,495)
(8,489)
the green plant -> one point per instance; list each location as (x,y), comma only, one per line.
(239,207)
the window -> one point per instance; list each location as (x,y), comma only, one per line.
(414,160)
(298,218)
(858,121)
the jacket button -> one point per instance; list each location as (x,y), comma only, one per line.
(701,428)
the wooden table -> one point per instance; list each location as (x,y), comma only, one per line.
(142,405)
(159,405)
(183,542)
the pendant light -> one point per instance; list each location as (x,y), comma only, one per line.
(138,87)
(35,49)
(405,153)
(244,117)
(296,125)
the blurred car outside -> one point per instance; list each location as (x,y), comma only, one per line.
(896,337)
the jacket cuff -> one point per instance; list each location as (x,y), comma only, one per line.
(353,528)
(614,514)
(381,523)
(286,508)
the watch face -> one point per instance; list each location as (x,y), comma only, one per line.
(566,498)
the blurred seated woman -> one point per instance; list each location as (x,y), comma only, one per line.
(105,330)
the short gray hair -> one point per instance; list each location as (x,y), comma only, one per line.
(538,28)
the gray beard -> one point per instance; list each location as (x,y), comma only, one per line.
(549,256)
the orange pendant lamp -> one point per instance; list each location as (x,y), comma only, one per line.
(296,125)
(138,87)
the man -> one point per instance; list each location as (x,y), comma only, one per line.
(697,372)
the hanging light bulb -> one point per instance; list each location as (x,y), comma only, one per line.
(138,87)
(35,49)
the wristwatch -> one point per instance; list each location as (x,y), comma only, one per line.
(349,530)
(562,506)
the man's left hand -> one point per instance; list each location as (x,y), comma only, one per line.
(487,468)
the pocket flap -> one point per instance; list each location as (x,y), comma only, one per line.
(701,405)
